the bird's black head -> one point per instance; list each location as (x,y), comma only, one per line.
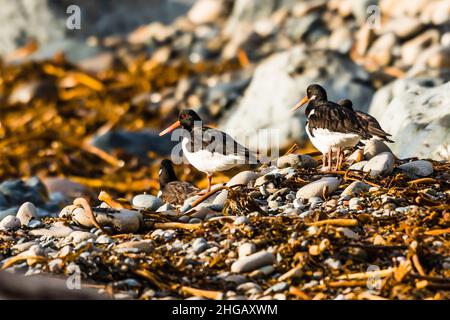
(166,173)
(316,92)
(188,118)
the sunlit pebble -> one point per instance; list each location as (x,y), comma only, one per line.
(155,97)
(212,81)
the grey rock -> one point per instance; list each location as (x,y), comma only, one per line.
(416,169)
(333,263)
(57,230)
(316,188)
(104,239)
(374,147)
(77,237)
(382,164)
(277,86)
(279,287)
(296,161)
(147,202)
(8,212)
(355,188)
(246,249)
(34,224)
(358,166)
(252,262)
(243,178)
(416,133)
(241,220)
(10,223)
(27,211)
(145,246)
(199,245)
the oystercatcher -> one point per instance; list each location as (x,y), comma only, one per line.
(368,122)
(172,190)
(209,150)
(329,126)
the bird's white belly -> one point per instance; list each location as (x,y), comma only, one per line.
(325,139)
(209,162)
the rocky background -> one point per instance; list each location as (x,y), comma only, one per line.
(81,109)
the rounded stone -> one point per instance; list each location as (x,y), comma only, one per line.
(26,212)
(147,202)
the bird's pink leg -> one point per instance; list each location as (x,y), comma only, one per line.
(330,158)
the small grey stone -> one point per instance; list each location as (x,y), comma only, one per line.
(27,211)
(10,223)
(55,265)
(104,239)
(354,203)
(76,237)
(242,178)
(199,245)
(374,147)
(279,287)
(316,188)
(241,220)
(416,169)
(34,224)
(246,249)
(358,166)
(296,161)
(381,164)
(135,246)
(57,229)
(333,263)
(147,202)
(253,261)
(355,188)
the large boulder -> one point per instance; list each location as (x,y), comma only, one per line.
(279,82)
(417,114)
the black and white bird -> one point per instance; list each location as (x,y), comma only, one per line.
(171,189)
(329,126)
(209,150)
(368,122)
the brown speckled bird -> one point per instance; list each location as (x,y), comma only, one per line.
(172,190)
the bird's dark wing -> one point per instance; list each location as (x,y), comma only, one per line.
(335,118)
(216,141)
(371,125)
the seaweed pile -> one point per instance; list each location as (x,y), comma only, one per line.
(277,236)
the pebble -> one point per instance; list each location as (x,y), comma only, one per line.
(241,220)
(104,239)
(34,224)
(147,202)
(296,161)
(279,287)
(27,211)
(246,249)
(10,223)
(242,178)
(374,147)
(77,237)
(416,169)
(252,262)
(57,230)
(382,164)
(145,246)
(348,233)
(355,204)
(199,245)
(355,188)
(205,11)
(358,166)
(316,188)
(403,27)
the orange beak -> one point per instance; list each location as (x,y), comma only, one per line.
(170,129)
(301,102)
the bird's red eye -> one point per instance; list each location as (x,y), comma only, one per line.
(183,116)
